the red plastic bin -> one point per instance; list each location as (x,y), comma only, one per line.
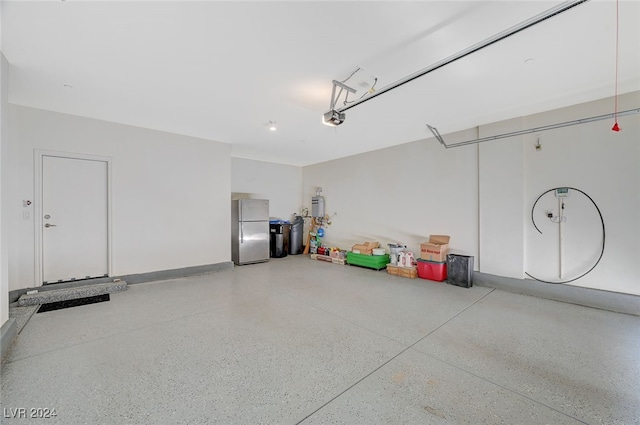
(432,270)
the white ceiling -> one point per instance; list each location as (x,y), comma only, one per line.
(223,70)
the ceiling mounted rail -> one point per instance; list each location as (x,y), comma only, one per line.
(556,10)
(437,135)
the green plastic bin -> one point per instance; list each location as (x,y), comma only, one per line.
(376,262)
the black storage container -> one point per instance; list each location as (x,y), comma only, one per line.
(295,236)
(460,270)
(279,240)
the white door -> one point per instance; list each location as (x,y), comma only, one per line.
(74,219)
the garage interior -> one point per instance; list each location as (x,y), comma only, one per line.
(511,127)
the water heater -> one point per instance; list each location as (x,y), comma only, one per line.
(317,206)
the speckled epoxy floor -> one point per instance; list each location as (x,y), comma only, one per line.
(300,341)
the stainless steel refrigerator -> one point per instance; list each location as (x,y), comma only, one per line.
(249,231)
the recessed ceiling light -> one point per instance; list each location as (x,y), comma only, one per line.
(273,126)
(528,60)
(68,86)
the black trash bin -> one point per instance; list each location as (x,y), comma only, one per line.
(296,235)
(460,270)
(279,240)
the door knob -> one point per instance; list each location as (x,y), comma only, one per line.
(50,225)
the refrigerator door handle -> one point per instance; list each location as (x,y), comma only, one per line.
(241,227)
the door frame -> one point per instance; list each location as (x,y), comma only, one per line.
(38,197)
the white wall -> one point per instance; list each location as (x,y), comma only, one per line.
(170,193)
(280,184)
(4,140)
(400,194)
(482,196)
(501,226)
(605,165)
(590,157)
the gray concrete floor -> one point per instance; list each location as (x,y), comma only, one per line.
(301,341)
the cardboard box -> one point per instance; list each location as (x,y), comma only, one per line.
(328,259)
(410,272)
(435,249)
(365,248)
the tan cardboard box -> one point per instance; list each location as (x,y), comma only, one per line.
(435,249)
(410,272)
(365,248)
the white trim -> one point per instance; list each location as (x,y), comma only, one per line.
(37,159)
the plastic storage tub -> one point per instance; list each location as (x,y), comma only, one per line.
(432,270)
(376,262)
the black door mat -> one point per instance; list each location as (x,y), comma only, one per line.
(58,305)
